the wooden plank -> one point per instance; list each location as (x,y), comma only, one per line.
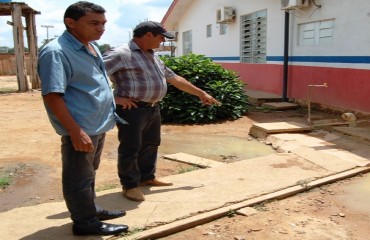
(32,46)
(8,64)
(19,47)
(193,160)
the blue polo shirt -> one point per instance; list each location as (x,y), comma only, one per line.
(66,66)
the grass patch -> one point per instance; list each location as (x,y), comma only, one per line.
(231,213)
(107,186)
(261,206)
(128,235)
(8,90)
(4,181)
(187,169)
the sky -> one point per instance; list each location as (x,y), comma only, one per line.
(122,16)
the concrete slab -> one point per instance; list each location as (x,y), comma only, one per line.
(288,141)
(259,97)
(262,130)
(325,143)
(279,105)
(193,192)
(361,133)
(262,95)
(325,160)
(204,194)
(357,159)
(194,160)
(205,217)
(278,127)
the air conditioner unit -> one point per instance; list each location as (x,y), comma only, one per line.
(173,33)
(292,4)
(225,15)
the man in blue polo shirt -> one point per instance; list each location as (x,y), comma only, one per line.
(80,106)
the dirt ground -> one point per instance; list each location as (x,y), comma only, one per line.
(30,157)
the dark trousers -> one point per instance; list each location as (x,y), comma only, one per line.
(139,142)
(78,179)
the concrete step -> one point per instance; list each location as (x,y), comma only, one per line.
(262,130)
(259,97)
(279,105)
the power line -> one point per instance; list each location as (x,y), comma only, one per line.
(47,30)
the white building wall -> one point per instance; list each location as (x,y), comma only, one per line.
(343,63)
(351,37)
(351,31)
(203,12)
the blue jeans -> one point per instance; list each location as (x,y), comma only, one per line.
(78,180)
(139,142)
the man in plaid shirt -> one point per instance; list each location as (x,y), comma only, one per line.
(140,81)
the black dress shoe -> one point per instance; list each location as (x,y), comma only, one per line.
(104,229)
(106,215)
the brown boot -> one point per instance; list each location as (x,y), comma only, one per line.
(134,194)
(155,183)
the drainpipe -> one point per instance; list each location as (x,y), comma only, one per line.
(286,56)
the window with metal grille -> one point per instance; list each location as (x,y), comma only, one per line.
(223,28)
(316,33)
(253,37)
(209,30)
(187,46)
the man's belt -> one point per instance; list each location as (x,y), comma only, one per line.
(141,104)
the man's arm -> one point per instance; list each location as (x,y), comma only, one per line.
(186,86)
(80,140)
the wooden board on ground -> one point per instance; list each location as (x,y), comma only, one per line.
(194,160)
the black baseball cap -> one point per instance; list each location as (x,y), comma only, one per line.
(154,27)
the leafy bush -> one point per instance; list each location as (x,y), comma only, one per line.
(4,181)
(224,85)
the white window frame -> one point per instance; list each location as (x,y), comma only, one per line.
(209,30)
(187,42)
(320,33)
(223,28)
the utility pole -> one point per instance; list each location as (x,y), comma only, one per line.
(47,31)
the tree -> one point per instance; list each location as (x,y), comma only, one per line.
(46,41)
(104,47)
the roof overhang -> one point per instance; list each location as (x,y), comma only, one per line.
(174,13)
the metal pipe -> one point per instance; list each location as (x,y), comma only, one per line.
(286,57)
(309,100)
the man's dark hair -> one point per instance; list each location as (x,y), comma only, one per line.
(79,9)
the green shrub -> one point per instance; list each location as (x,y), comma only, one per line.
(224,85)
(4,181)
